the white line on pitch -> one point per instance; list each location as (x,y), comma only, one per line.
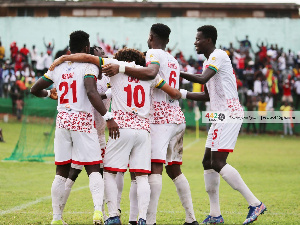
(23,206)
(190,144)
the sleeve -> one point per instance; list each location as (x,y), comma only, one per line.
(152,57)
(91,71)
(159,82)
(215,61)
(108,61)
(48,76)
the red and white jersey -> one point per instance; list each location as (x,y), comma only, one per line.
(131,98)
(164,108)
(222,87)
(75,112)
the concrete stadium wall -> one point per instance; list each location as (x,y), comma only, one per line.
(285,32)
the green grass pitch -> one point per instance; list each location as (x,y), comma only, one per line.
(268,164)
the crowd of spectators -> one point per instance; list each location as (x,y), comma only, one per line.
(266,79)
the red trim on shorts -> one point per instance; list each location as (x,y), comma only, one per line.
(225,150)
(87,163)
(139,171)
(158,161)
(115,169)
(63,163)
(174,162)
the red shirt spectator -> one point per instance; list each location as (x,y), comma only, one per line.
(24,51)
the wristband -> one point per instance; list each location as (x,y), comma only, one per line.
(108,116)
(121,69)
(183,93)
(49,93)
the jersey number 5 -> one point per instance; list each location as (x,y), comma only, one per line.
(65,86)
(172,79)
(137,89)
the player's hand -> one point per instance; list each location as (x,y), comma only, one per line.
(113,129)
(110,69)
(56,62)
(53,94)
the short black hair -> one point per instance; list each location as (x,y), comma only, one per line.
(161,30)
(78,41)
(209,31)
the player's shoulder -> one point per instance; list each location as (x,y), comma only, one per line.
(219,53)
(154,52)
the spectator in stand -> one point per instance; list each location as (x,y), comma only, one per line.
(257,89)
(191,61)
(6,74)
(2,53)
(18,62)
(282,62)
(245,45)
(106,47)
(287,91)
(290,61)
(13,51)
(49,47)
(297,90)
(13,93)
(48,61)
(25,52)
(262,111)
(249,75)
(298,60)
(287,112)
(40,65)
(264,86)
(33,56)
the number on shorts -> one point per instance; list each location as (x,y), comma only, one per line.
(215,134)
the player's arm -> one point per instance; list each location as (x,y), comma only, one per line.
(172,92)
(38,89)
(96,101)
(199,78)
(78,57)
(196,96)
(141,73)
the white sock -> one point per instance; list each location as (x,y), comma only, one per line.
(57,193)
(97,189)
(120,185)
(111,192)
(184,193)
(68,186)
(155,181)
(212,183)
(134,209)
(234,179)
(143,195)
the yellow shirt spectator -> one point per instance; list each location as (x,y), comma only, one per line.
(286,110)
(262,108)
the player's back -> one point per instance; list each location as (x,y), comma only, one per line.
(69,81)
(165,109)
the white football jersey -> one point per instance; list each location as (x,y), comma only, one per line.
(69,81)
(102,87)
(165,109)
(131,98)
(222,87)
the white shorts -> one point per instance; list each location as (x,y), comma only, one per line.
(167,143)
(133,147)
(222,137)
(77,147)
(102,142)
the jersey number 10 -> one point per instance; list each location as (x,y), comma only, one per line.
(65,86)
(136,91)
